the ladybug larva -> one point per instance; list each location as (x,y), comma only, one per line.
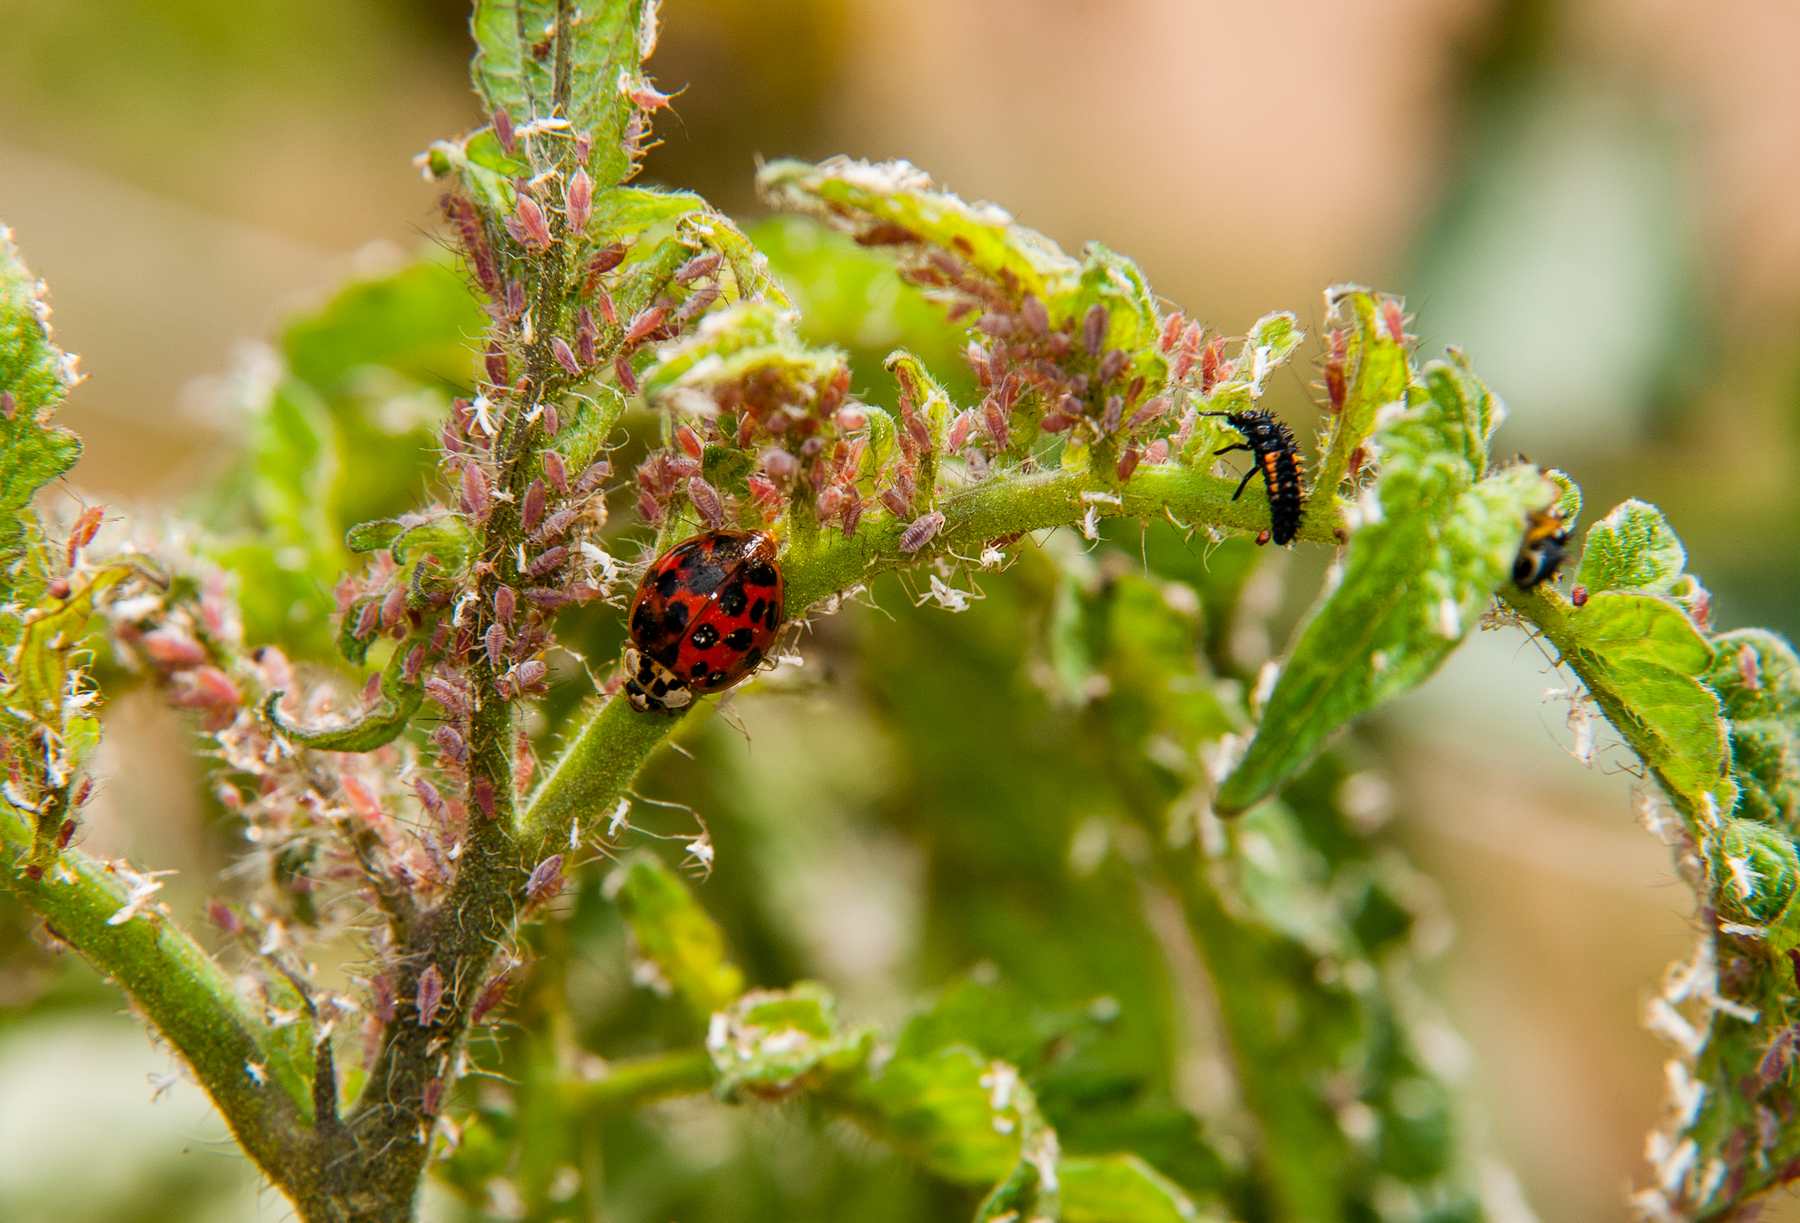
(704,617)
(1272,442)
(1542,550)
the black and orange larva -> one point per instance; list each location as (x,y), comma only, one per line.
(1272,442)
(1542,550)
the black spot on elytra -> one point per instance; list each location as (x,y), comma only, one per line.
(668,582)
(675,617)
(705,637)
(739,638)
(733,602)
(760,573)
(698,669)
(716,678)
(757,608)
(640,620)
(705,578)
(772,617)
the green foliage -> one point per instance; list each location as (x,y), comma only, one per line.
(1645,662)
(1375,371)
(34,377)
(675,936)
(1436,542)
(539,59)
(895,203)
(1055,764)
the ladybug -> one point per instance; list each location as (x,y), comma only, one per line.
(703,618)
(1272,442)
(1546,543)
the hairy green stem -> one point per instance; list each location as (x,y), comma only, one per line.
(640,1080)
(181,989)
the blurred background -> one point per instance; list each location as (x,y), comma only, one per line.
(1594,199)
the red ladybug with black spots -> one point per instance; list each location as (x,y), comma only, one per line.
(704,617)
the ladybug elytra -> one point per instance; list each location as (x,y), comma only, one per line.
(704,617)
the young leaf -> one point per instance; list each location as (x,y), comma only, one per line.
(1415,580)
(676,936)
(1757,677)
(772,1042)
(541,59)
(35,375)
(1643,659)
(1375,372)
(1122,1189)
(377,726)
(893,202)
(1632,548)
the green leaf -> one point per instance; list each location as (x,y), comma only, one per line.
(755,327)
(583,437)
(415,320)
(893,202)
(1114,283)
(378,725)
(41,668)
(1121,1189)
(1415,580)
(35,375)
(1632,548)
(925,396)
(1754,873)
(676,936)
(519,49)
(486,170)
(953,1109)
(850,296)
(773,1042)
(294,465)
(1757,678)
(373,536)
(1376,374)
(1644,663)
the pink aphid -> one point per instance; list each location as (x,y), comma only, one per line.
(706,502)
(921,531)
(643,323)
(532,229)
(565,356)
(546,879)
(578,201)
(429,995)
(87,525)
(1171,331)
(556,472)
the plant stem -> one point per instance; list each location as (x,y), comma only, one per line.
(640,1080)
(262,1095)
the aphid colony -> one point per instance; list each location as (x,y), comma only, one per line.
(704,618)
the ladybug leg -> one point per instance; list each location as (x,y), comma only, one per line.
(1242,483)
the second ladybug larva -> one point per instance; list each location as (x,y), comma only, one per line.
(704,617)
(1541,552)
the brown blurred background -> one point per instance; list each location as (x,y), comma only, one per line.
(1594,199)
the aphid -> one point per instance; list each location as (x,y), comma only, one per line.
(1542,551)
(579,200)
(703,619)
(1272,442)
